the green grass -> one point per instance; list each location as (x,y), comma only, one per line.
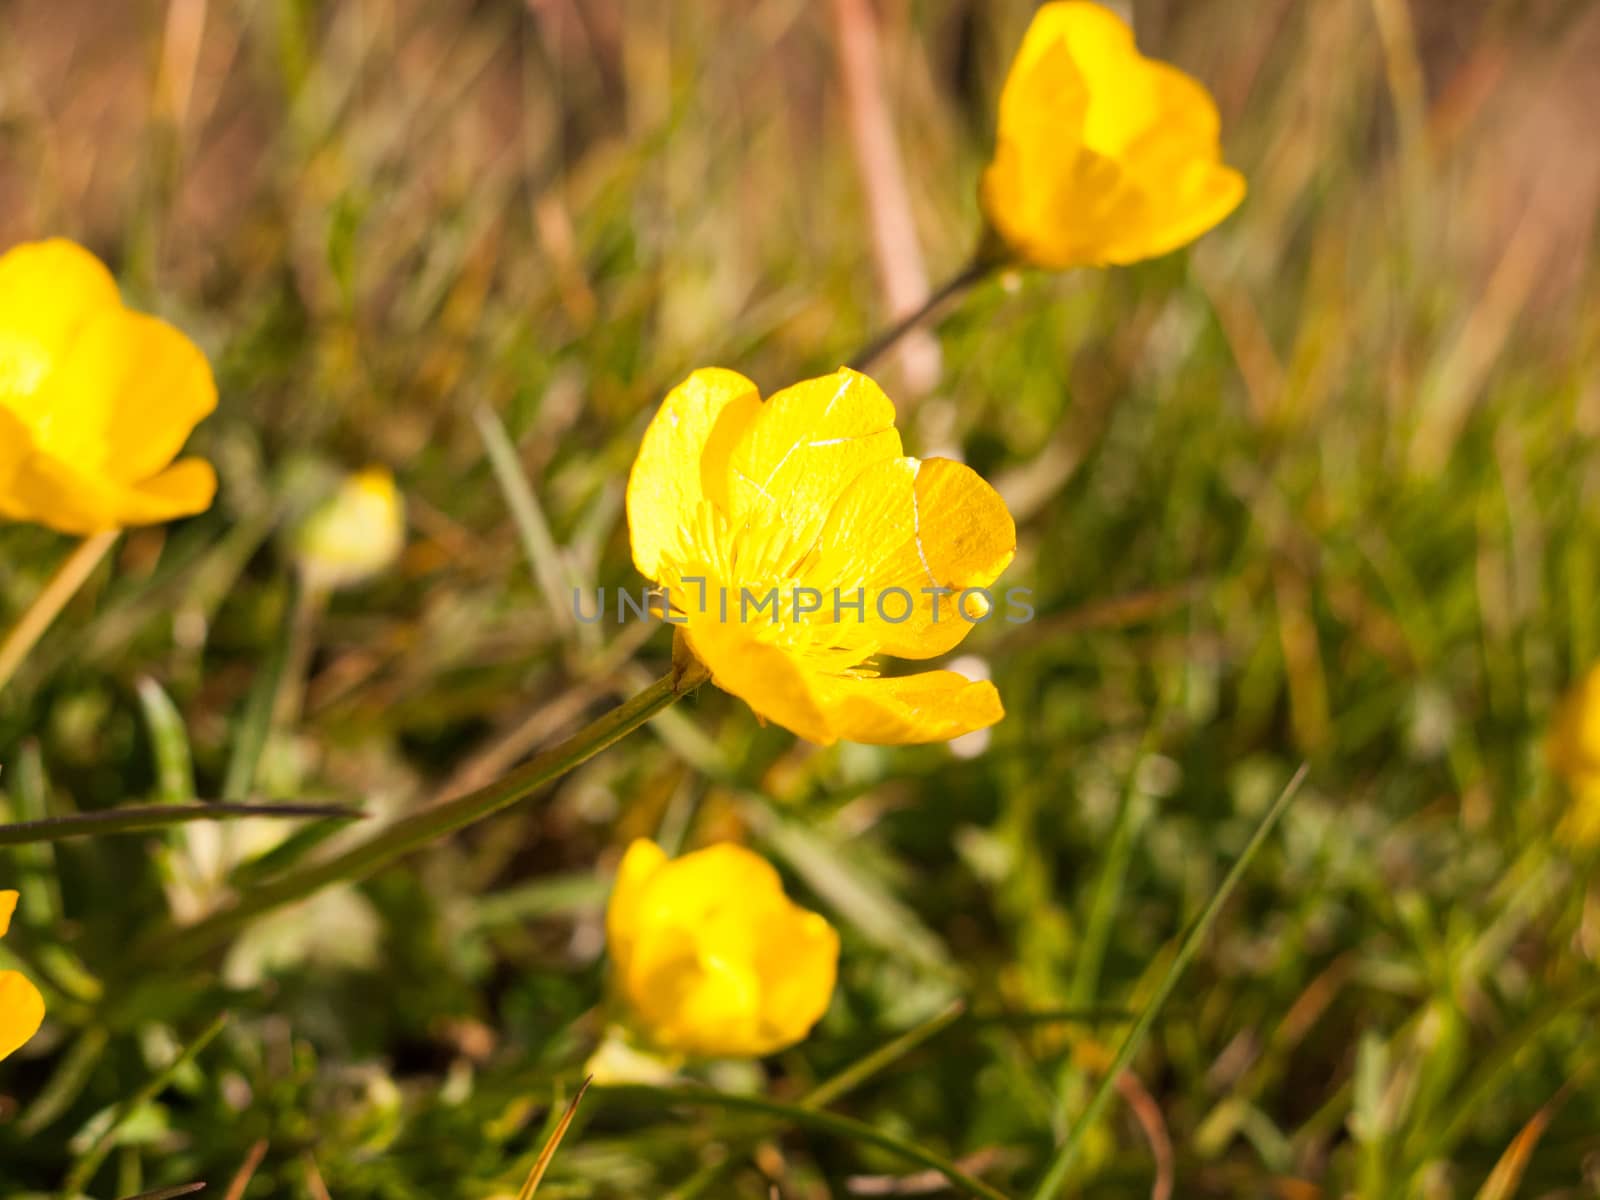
(1319,490)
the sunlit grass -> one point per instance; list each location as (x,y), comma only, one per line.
(1317,490)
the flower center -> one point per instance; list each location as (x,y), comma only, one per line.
(755,576)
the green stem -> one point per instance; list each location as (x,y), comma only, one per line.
(974,272)
(417,829)
(1067,1155)
(47,605)
(844,1127)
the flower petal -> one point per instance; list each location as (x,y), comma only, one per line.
(766,678)
(694,968)
(48,290)
(51,492)
(641,862)
(702,1004)
(8,906)
(922,528)
(1103,156)
(126,397)
(804,446)
(799,964)
(933,706)
(692,433)
(21,1011)
(1177,210)
(1091,31)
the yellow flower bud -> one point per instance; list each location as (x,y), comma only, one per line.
(95,400)
(711,958)
(355,534)
(21,1005)
(1103,156)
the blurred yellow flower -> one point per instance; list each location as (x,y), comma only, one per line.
(1103,156)
(355,534)
(795,542)
(711,958)
(95,400)
(21,1006)
(1573,749)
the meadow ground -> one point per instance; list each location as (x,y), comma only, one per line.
(1320,489)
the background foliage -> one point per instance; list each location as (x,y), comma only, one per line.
(1321,489)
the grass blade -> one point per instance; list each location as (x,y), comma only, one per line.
(1492,1073)
(1507,1175)
(798,1114)
(884,1056)
(170,741)
(255,723)
(547,1155)
(136,818)
(66,1082)
(39,881)
(89,1162)
(247,1171)
(417,829)
(537,540)
(1069,1150)
(830,1090)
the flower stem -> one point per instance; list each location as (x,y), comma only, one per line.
(47,606)
(417,829)
(974,272)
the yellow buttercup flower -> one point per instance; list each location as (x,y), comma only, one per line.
(711,958)
(95,400)
(795,542)
(1573,750)
(355,534)
(21,1005)
(1103,156)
